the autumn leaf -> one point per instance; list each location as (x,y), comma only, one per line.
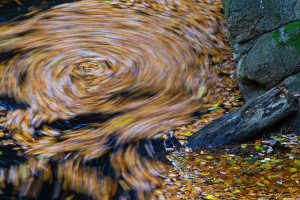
(259,147)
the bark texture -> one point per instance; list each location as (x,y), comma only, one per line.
(247,121)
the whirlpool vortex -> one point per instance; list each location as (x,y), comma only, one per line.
(146,67)
(142,66)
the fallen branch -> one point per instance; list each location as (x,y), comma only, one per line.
(247,121)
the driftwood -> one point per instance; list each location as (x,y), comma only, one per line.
(247,121)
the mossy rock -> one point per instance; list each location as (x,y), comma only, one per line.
(269,62)
(288,35)
(247,20)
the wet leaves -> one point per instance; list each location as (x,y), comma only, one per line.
(259,147)
(235,172)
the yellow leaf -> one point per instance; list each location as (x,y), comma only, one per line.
(125,122)
(293,170)
(204,173)
(215,105)
(186,133)
(19,2)
(297,162)
(70,197)
(278,139)
(266,166)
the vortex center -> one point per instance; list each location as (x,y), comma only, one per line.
(92,68)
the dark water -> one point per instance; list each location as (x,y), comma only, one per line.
(12,162)
(11,10)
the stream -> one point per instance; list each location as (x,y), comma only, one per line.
(87,87)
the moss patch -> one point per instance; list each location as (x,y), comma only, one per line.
(288,35)
(277,16)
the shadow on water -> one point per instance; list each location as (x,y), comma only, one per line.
(17,10)
(19,179)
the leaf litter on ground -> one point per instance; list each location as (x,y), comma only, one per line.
(234,172)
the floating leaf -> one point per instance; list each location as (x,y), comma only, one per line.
(9,41)
(56,61)
(19,2)
(126,121)
(279,139)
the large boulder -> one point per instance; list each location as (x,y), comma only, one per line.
(265,39)
(247,20)
(267,64)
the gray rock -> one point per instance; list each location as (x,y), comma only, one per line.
(292,84)
(249,19)
(264,36)
(267,64)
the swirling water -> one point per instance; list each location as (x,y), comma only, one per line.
(100,79)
